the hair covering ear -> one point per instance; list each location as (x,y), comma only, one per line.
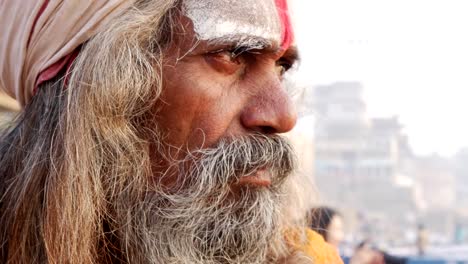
(39,38)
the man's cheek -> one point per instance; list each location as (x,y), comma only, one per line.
(208,129)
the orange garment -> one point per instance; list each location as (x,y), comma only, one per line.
(315,247)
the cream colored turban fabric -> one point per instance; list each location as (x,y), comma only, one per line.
(38,36)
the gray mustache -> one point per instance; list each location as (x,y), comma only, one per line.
(235,157)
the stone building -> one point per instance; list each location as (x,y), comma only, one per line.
(360,161)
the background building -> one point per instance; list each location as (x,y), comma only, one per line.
(365,167)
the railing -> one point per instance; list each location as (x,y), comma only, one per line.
(436,261)
(427,261)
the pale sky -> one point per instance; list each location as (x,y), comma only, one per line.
(410,55)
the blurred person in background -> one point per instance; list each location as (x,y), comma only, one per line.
(366,254)
(422,239)
(329,224)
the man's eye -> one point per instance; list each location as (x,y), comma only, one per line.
(283,66)
(225,61)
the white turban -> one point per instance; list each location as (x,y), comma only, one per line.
(38,37)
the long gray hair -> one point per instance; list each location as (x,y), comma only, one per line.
(66,141)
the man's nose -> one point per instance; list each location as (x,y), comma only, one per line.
(270,111)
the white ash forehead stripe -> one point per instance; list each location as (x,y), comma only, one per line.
(218,19)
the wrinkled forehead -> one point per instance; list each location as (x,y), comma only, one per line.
(225,20)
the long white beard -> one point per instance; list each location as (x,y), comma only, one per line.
(203,220)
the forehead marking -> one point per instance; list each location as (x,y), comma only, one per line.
(228,20)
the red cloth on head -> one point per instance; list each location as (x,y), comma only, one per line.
(283,12)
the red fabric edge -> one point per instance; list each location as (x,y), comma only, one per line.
(55,68)
(283,12)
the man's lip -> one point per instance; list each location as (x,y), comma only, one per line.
(261,178)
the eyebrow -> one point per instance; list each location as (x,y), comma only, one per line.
(246,42)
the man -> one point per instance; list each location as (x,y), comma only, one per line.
(149,132)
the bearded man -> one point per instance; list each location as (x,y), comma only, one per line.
(149,132)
